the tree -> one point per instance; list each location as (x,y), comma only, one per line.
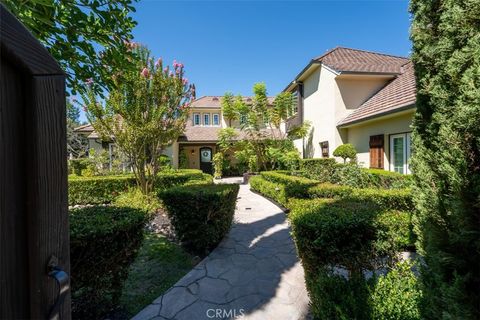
(77,145)
(87,37)
(345,151)
(446,155)
(145,112)
(229,109)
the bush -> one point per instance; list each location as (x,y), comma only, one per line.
(294,186)
(329,190)
(77,165)
(397,295)
(134,198)
(104,189)
(201,215)
(332,235)
(401,199)
(387,179)
(320,169)
(218,164)
(345,151)
(103,243)
(351,175)
(97,190)
(274,191)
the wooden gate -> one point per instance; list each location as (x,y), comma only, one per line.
(33,176)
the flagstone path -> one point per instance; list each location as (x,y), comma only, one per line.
(254,273)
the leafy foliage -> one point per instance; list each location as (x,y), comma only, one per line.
(201,215)
(397,295)
(446,161)
(87,37)
(145,112)
(103,243)
(229,109)
(134,198)
(345,151)
(218,163)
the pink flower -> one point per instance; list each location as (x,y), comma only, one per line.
(171,74)
(89,82)
(159,62)
(84,107)
(185,80)
(145,73)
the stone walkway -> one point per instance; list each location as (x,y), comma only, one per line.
(254,273)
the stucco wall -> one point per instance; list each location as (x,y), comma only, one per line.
(359,135)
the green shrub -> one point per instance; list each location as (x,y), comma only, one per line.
(400,199)
(345,151)
(353,235)
(77,165)
(320,169)
(97,190)
(103,243)
(294,186)
(201,215)
(387,179)
(329,190)
(134,198)
(104,189)
(218,164)
(274,191)
(350,174)
(397,295)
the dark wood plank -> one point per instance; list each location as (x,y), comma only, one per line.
(46,169)
(14,290)
(21,47)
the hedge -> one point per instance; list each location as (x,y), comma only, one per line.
(103,243)
(201,215)
(400,199)
(104,189)
(344,234)
(328,170)
(295,186)
(274,191)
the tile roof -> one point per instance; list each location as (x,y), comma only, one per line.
(204,134)
(355,60)
(216,101)
(395,96)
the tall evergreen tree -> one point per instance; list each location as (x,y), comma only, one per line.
(446,157)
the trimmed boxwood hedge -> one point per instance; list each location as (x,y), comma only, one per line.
(332,235)
(103,243)
(274,191)
(104,189)
(294,186)
(201,215)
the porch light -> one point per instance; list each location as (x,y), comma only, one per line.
(193,151)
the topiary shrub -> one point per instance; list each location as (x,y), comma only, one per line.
(294,186)
(387,179)
(345,151)
(201,215)
(218,162)
(338,240)
(103,243)
(134,198)
(397,295)
(97,190)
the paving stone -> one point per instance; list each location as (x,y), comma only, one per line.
(176,299)
(254,273)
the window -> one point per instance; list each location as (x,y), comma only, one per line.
(400,152)
(196,119)
(295,103)
(216,119)
(206,119)
(324,147)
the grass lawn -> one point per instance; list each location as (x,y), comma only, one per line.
(159,265)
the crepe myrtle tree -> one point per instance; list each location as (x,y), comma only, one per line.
(144,113)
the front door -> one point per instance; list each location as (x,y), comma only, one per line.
(206,159)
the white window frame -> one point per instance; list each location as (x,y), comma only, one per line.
(216,115)
(406,151)
(199,119)
(205,116)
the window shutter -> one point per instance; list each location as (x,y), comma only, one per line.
(376,151)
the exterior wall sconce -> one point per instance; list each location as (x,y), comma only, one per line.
(193,151)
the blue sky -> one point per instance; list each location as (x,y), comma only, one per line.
(230,45)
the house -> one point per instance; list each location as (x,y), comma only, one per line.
(195,148)
(359,97)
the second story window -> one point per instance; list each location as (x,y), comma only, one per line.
(196,119)
(294,110)
(216,119)
(206,119)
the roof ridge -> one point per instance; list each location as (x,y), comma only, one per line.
(326,53)
(373,52)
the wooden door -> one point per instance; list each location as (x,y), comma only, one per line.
(33,177)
